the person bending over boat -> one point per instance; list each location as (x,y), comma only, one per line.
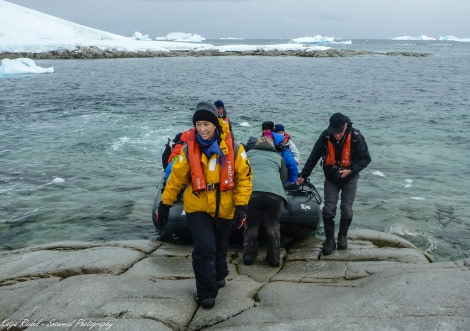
(344,153)
(279,128)
(292,169)
(218,174)
(266,202)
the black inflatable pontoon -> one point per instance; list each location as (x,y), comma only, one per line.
(297,221)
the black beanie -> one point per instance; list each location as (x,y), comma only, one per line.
(206,112)
(268,125)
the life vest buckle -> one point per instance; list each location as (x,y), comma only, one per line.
(212,187)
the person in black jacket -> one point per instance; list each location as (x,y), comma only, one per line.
(344,154)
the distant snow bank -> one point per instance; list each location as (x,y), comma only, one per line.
(424,38)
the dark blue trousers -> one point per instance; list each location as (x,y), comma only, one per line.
(210,240)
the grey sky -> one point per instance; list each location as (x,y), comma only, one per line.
(347,19)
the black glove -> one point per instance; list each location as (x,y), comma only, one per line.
(161,216)
(239,218)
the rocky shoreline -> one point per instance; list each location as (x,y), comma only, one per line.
(380,282)
(92,52)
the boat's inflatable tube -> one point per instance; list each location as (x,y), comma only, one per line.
(297,221)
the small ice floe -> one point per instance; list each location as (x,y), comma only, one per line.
(417,198)
(408,183)
(378,173)
(58,180)
(244,124)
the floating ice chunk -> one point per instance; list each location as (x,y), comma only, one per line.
(378,173)
(22,66)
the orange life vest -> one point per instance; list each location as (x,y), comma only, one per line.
(286,138)
(345,161)
(198,180)
(177,148)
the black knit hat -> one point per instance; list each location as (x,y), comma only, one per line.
(278,128)
(268,125)
(206,111)
(219,103)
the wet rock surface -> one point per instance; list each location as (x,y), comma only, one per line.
(380,282)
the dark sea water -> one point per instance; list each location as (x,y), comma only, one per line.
(80,148)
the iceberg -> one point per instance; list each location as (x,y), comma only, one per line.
(452,38)
(317,39)
(182,37)
(139,36)
(422,37)
(22,66)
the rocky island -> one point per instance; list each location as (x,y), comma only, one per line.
(93,52)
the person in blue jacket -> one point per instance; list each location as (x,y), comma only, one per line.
(291,164)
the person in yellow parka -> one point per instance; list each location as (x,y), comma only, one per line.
(215,201)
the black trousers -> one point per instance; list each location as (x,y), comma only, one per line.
(210,240)
(264,211)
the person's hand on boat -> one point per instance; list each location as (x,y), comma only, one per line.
(163,212)
(300,181)
(239,217)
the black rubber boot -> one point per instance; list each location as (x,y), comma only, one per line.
(205,303)
(250,250)
(343,233)
(329,244)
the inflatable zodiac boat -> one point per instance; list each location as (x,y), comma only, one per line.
(297,221)
(301,217)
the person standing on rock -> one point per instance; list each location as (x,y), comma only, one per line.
(266,203)
(344,154)
(217,175)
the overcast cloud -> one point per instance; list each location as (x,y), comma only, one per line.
(347,19)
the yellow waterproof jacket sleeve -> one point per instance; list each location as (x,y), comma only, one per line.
(176,182)
(243,178)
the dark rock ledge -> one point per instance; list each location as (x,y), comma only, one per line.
(97,53)
(382,282)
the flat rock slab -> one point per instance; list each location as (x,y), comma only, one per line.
(380,282)
(385,301)
(66,263)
